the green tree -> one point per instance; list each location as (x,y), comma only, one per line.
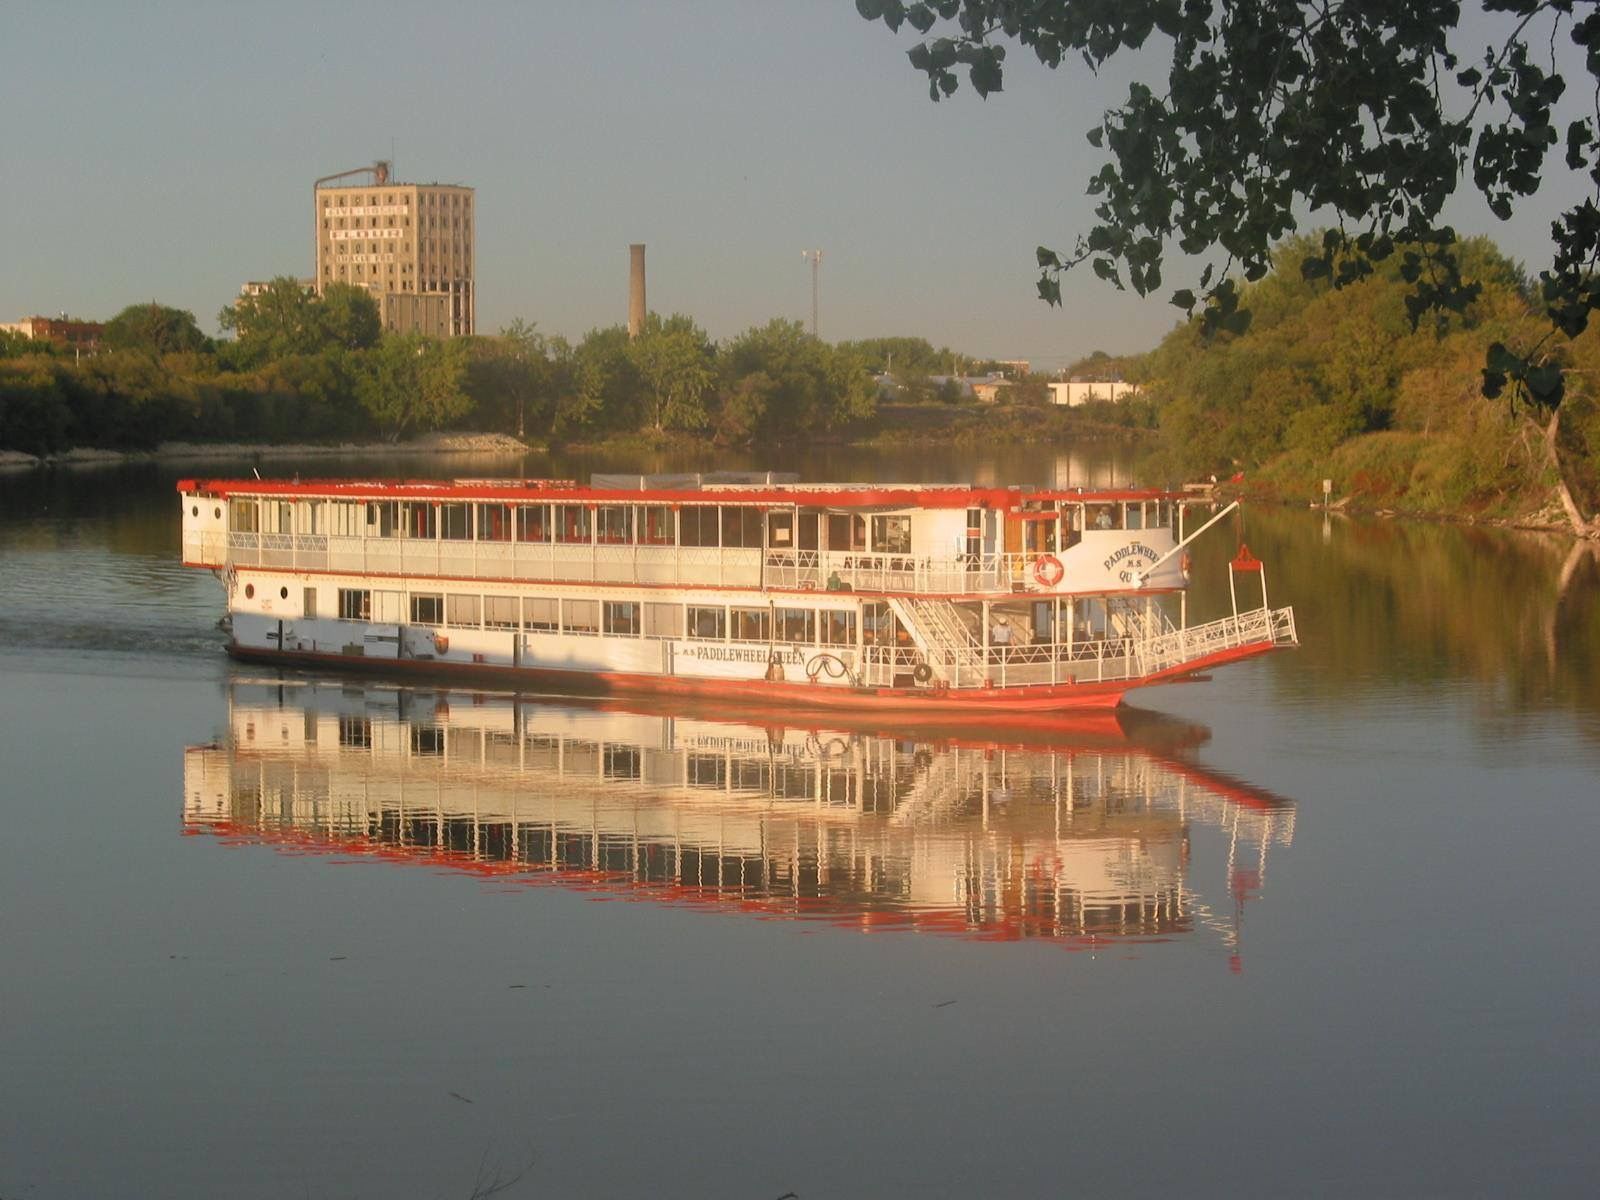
(676,363)
(154,329)
(1371,113)
(348,317)
(812,387)
(603,387)
(414,384)
(512,376)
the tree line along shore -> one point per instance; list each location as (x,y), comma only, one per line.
(1324,383)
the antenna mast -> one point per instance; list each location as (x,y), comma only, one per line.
(815,257)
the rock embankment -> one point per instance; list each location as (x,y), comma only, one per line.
(433,443)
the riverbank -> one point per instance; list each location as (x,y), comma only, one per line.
(431,444)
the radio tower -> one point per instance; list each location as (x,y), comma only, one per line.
(815,257)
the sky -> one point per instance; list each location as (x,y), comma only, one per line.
(165,151)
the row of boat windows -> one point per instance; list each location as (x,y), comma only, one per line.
(646,524)
(617,618)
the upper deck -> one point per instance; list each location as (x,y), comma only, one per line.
(892,539)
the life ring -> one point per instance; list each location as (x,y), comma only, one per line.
(1047,570)
(922,672)
(441,644)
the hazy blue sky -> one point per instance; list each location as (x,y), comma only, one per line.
(167,151)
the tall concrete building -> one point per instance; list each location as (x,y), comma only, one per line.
(409,244)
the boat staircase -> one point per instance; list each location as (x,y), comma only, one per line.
(948,646)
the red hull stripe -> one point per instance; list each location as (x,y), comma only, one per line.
(976,704)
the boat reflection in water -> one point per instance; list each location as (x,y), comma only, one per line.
(1079,831)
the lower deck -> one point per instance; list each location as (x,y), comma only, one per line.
(836,650)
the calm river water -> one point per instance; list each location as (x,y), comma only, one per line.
(1323,925)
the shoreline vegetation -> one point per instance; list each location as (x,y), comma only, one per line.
(1321,383)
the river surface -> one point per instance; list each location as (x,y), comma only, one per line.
(1321,925)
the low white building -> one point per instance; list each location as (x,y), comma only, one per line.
(1082,391)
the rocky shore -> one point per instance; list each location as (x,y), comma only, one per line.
(435,443)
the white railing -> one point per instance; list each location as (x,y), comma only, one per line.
(1176,647)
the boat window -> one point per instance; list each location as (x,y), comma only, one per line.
(355,604)
(494,522)
(847,531)
(891,535)
(421,520)
(710,624)
(541,613)
(1039,537)
(1105,516)
(614,524)
(741,526)
(750,624)
(697,526)
(1135,517)
(621,618)
(795,624)
(580,616)
(464,612)
(306,513)
(1071,525)
(455,522)
(656,525)
(500,612)
(427,608)
(383,518)
(809,521)
(572,523)
(533,523)
(780,529)
(427,740)
(837,627)
(243,516)
(878,626)
(663,620)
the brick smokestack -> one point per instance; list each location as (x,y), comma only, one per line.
(636,308)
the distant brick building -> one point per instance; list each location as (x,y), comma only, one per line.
(409,244)
(63,332)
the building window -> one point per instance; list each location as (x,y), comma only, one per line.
(427,608)
(355,604)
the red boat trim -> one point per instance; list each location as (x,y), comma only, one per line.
(946,705)
(537,490)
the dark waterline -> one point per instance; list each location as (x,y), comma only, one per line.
(1317,927)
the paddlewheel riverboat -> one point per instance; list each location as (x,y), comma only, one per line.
(950,601)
